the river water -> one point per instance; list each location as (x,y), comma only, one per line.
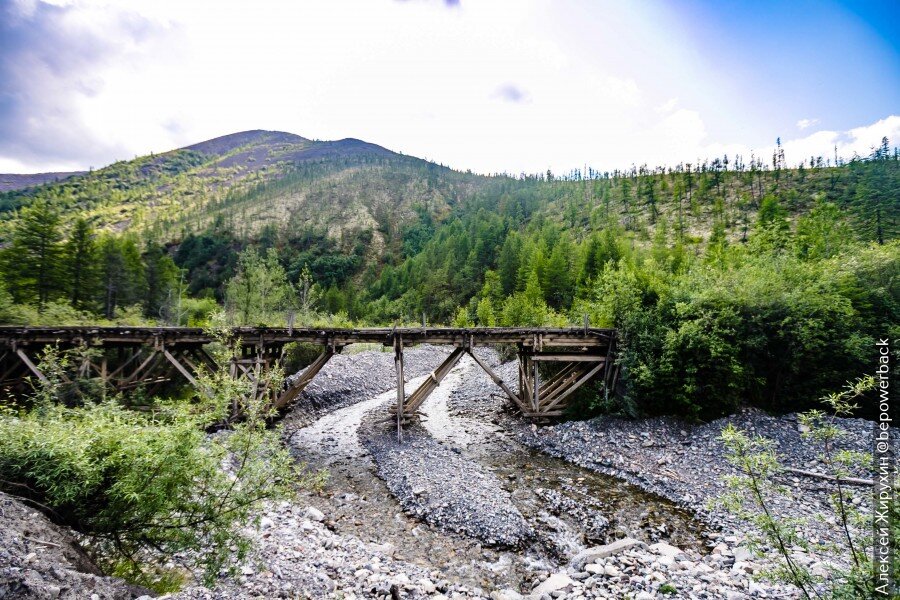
(568,507)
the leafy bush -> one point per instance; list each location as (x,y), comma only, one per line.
(766,328)
(145,486)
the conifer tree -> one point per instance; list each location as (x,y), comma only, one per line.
(34,260)
(80,260)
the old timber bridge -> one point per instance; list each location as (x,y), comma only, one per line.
(127,357)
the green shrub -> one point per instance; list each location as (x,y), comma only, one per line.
(145,486)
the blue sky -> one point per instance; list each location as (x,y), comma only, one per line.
(499,85)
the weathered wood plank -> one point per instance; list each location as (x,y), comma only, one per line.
(305,378)
(496,379)
(421,393)
(31,366)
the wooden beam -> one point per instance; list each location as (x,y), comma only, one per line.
(181,369)
(134,356)
(206,359)
(303,380)
(153,357)
(547,357)
(535,415)
(573,387)
(525,389)
(434,380)
(15,366)
(497,380)
(557,379)
(401,393)
(24,358)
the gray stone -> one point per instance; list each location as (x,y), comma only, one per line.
(314,514)
(665,549)
(594,553)
(557,581)
(506,594)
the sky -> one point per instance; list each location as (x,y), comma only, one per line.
(488,85)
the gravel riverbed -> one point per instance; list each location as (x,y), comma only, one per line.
(476,503)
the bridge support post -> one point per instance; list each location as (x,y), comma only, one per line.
(305,377)
(401,393)
(421,393)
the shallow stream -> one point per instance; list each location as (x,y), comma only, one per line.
(568,507)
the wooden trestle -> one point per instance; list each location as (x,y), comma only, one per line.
(127,357)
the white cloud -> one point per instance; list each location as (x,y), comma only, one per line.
(499,86)
(805,123)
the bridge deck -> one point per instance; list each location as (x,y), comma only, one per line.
(112,336)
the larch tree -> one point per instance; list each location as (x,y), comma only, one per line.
(34,259)
(80,260)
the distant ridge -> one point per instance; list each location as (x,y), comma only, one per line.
(11,181)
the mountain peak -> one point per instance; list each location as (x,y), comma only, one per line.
(227,143)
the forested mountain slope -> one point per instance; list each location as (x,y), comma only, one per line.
(250,180)
(397,235)
(724,278)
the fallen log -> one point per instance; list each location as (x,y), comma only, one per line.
(847,480)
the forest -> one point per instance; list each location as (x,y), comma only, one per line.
(725,279)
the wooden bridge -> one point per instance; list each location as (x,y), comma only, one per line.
(124,358)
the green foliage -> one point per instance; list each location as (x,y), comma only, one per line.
(35,255)
(724,278)
(668,589)
(80,264)
(703,340)
(259,293)
(754,493)
(147,486)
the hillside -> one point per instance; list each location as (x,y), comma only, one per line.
(393,235)
(723,278)
(251,179)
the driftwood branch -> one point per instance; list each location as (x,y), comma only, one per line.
(847,480)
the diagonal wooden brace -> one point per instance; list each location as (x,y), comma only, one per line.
(496,379)
(31,366)
(301,382)
(419,396)
(571,388)
(184,371)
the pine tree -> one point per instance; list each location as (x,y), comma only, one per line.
(161,275)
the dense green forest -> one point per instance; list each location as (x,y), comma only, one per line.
(726,279)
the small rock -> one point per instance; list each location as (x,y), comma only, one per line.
(314,514)
(665,549)
(557,581)
(506,594)
(742,554)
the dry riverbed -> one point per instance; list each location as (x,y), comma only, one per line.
(476,503)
